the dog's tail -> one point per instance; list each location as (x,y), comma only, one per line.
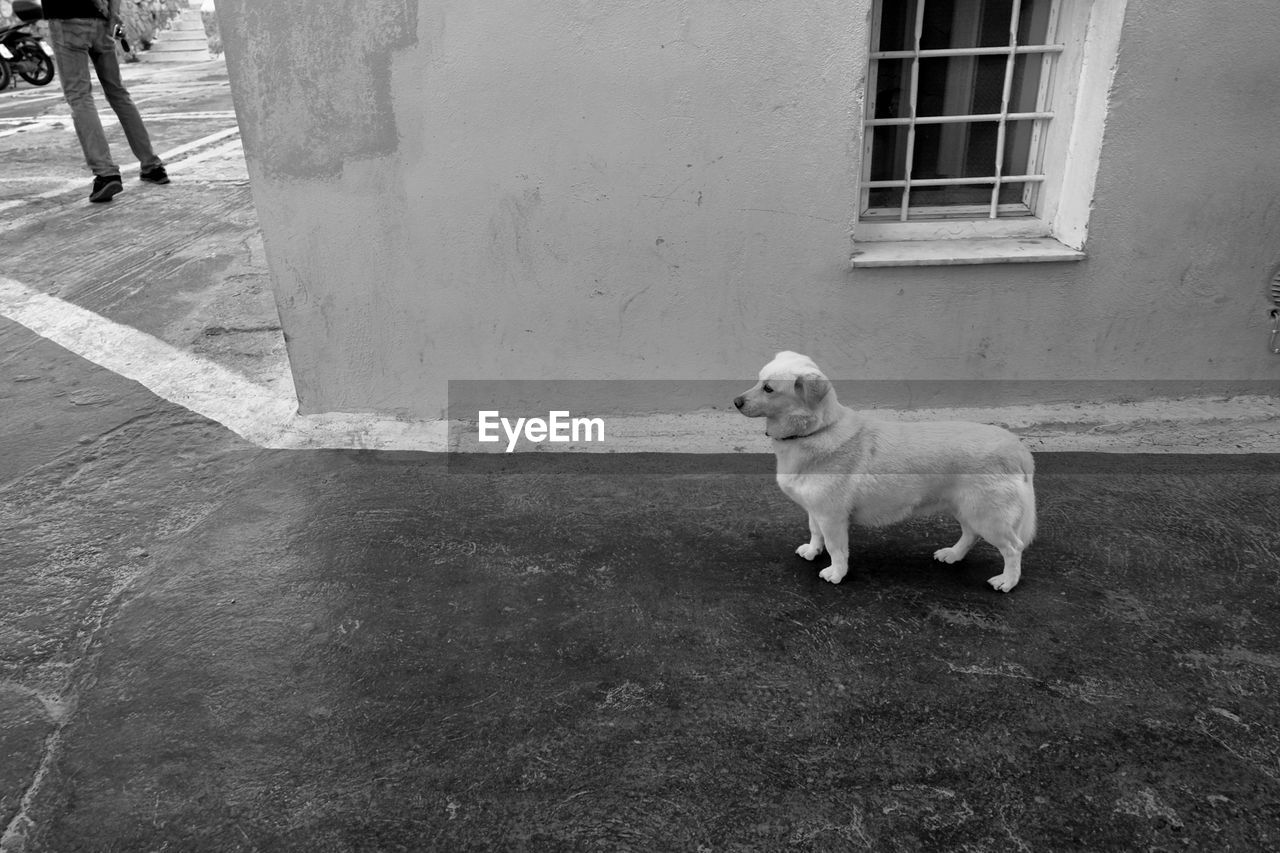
(1027,494)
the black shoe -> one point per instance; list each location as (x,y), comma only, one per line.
(155,175)
(105,187)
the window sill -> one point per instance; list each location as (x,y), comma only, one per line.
(930,253)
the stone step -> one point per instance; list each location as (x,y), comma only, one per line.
(181,38)
(183,41)
(178,47)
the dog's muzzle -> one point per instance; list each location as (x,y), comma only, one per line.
(739,401)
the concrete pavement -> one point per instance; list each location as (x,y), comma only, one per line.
(211,643)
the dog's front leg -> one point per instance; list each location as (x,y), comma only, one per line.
(835,531)
(813,547)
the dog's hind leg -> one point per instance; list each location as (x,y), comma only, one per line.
(814,546)
(1011,549)
(957,551)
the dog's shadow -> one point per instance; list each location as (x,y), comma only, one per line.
(901,556)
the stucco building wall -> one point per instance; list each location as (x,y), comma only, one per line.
(665,189)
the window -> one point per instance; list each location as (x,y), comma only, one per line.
(977,125)
(956,106)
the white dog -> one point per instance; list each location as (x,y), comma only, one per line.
(836,464)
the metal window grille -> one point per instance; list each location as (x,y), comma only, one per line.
(958,101)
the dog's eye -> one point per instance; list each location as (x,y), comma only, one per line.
(768,389)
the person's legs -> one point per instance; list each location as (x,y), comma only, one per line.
(105,63)
(71,42)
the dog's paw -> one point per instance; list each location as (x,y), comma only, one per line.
(1000,583)
(947,555)
(832,574)
(809,551)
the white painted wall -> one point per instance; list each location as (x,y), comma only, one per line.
(665,189)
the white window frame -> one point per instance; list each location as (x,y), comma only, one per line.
(1085,45)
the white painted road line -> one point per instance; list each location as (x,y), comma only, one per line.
(174,153)
(214,114)
(77,185)
(29,125)
(34,99)
(26,124)
(259,414)
(223,150)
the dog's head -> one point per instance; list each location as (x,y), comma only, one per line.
(791,394)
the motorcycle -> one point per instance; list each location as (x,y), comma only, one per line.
(25,52)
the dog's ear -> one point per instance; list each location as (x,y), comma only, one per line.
(812,387)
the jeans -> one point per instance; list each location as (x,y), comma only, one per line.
(76,41)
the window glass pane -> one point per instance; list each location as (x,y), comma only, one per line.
(1033,21)
(1026,82)
(1017,147)
(1012,193)
(959,150)
(888,153)
(950,196)
(897,25)
(965,23)
(890,197)
(960,85)
(893,84)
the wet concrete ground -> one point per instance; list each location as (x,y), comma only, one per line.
(209,646)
